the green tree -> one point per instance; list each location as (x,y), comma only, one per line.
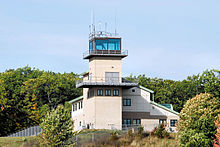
(57,127)
(14,114)
(196,125)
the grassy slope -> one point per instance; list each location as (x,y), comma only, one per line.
(100,140)
(19,141)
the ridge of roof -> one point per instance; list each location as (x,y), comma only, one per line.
(146,89)
(76,99)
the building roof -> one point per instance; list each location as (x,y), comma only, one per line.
(76,99)
(146,89)
(163,107)
(169,106)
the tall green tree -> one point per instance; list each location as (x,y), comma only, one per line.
(57,127)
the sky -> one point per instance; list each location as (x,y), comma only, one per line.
(169,39)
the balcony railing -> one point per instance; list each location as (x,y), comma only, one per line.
(102,81)
(105,52)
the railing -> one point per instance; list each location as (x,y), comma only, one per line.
(32,131)
(105,52)
(99,79)
(104,81)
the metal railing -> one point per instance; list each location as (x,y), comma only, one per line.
(105,52)
(104,81)
(32,131)
(99,79)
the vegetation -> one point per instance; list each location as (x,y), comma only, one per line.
(137,138)
(178,92)
(27,94)
(217,135)
(160,132)
(20,141)
(196,125)
(57,127)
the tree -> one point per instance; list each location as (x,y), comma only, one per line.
(217,140)
(57,127)
(196,125)
(14,114)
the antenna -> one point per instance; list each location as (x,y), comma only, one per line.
(100,26)
(115,22)
(92,22)
(106,27)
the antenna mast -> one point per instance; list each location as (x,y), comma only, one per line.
(115,23)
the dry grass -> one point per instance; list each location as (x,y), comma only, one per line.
(19,141)
(101,140)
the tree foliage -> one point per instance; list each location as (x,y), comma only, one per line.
(196,125)
(57,127)
(178,92)
(25,95)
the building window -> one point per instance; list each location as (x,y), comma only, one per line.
(126,102)
(107,92)
(173,122)
(126,122)
(99,92)
(133,90)
(136,121)
(90,93)
(81,104)
(115,92)
(73,107)
(163,122)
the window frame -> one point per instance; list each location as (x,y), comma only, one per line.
(171,122)
(163,122)
(126,120)
(125,102)
(108,92)
(115,92)
(99,92)
(136,120)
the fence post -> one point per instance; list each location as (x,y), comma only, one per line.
(92,137)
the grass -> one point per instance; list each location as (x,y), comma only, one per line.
(19,141)
(98,138)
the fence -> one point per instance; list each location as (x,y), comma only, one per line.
(91,138)
(32,131)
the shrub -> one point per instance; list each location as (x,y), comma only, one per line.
(153,131)
(114,136)
(57,127)
(217,140)
(196,125)
(160,132)
(130,133)
(140,130)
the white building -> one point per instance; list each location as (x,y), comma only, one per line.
(111,102)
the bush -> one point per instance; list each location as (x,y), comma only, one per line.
(160,132)
(114,136)
(57,127)
(140,130)
(217,140)
(196,125)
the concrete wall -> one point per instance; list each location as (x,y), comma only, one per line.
(99,65)
(108,112)
(141,108)
(140,100)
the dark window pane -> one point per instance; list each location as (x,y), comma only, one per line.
(101,44)
(173,122)
(114,44)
